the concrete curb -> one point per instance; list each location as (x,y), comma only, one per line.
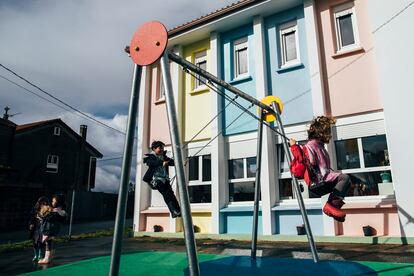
(285,238)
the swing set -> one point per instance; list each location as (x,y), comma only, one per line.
(148,45)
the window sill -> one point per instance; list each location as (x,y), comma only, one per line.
(370,202)
(240,79)
(155,210)
(198,183)
(292,204)
(51,171)
(291,67)
(246,207)
(160,101)
(201,208)
(346,52)
(242,180)
(199,90)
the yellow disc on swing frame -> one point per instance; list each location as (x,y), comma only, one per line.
(269,100)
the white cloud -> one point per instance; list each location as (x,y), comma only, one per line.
(106,182)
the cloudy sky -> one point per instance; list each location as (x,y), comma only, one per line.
(73,49)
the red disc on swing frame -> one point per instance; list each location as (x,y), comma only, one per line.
(148,43)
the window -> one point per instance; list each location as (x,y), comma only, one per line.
(160,94)
(347,155)
(242,174)
(345,26)
(240,58)
(52,163)
(367,163)
(193,168)
(199,175)
(201,62)
(289,44)
(200,193)
(56,131)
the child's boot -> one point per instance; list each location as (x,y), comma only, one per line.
(36,255)
(332,208)
(40,253)
(46,259)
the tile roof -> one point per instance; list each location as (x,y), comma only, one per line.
(212,16)
(27,126)
(7,123)
(22,128)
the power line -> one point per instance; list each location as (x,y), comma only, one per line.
(86,116)
(112,158)
(393,17)
(37,95)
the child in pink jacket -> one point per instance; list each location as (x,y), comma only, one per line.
(334,183)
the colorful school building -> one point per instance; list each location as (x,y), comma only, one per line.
(319,57)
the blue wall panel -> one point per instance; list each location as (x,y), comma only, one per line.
(240,222)
(247,84)
(292,86)
(286,221)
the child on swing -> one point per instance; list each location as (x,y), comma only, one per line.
(332,182)
(157,176)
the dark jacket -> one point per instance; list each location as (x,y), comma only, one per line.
(153,162)
(51,223)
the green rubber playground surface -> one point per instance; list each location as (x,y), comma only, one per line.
(175,263)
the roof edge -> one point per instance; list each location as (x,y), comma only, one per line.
(212,16)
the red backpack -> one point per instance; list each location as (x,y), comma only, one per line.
(301,166)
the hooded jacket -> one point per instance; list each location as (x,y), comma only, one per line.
(152,161)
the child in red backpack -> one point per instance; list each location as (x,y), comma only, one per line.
(334,183)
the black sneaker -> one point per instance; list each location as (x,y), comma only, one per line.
(175,214)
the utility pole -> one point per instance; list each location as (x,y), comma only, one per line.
(79,174)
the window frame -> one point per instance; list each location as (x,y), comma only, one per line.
(199,57)
(199,181)
(339,11)
(160,92)
(52,167)
(244,179)
(56,131)
(238,45)
(362,167)
(286,28)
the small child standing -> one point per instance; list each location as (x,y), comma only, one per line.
(334,183)
(157,176)
(35,223)
(53,217)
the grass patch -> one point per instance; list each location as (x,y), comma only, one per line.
(7,247)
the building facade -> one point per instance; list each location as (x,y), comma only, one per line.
(319,58)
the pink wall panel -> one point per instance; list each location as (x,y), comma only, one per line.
(351,84)
(157,219)
(384,220)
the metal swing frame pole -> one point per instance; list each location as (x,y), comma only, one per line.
(297,189)
(257,186)
(125,173)
(179,168)
(188,65)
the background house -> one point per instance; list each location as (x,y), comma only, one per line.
(45,158)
